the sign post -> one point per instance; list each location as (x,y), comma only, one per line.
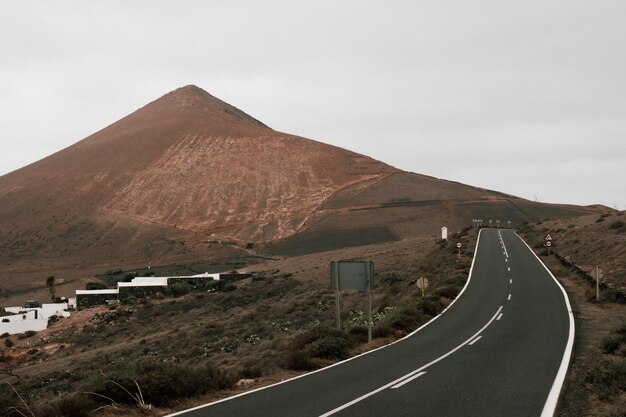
(459,245)
(353,275)
(548,242)
(597,274)
(422,284)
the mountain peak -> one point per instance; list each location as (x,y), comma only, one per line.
(193,97)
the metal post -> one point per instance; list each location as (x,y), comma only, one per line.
(335,266)
(369,301)
(338,309)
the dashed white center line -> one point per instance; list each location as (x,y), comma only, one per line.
(476,340)
(510,281)
(509,297)
(500,316)
(406,381)
(509,268)
(396,383)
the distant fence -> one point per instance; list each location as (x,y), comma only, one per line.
(619,295)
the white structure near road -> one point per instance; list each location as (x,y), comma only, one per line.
(31,318)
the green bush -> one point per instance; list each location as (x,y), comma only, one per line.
(430,307)
(614,340)
(70,405)
(392,278)
(95,286)
(178,289)
(323,342)
(404,318)
(161,383)
(608,378)
(300,360)
(448,291)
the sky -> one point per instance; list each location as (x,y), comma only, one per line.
(524,97)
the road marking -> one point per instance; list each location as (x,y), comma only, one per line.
(509,297)
(406,381)
(475,340)
(500,316)
(509,268)
(550,406)
(506,253)
(410,374)
(510,281)
(506,260)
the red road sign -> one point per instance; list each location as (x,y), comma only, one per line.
(548,237)
(458,245)
(548,243)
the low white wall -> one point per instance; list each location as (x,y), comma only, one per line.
(144,281)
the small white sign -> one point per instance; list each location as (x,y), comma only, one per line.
(444,233)
(458,245)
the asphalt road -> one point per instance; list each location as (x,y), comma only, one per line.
(501,349)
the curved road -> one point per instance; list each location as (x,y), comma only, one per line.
(501,349)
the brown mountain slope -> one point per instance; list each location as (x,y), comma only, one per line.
(162,183)
(185,168)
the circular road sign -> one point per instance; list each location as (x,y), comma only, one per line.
(422,283)
(548,243)
(458,245)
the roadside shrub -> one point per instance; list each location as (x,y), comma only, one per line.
(381,331)
(8,342)
(70,405)
(26,334)
(404,318)
(336,347)
(178,289)
(323,342)
(358,334)
(429,306)
(616,224)
(161,383)
(95,286)
(392,278)
(614,340)
(229,287)
(608,378)
(300,360)
(448,291)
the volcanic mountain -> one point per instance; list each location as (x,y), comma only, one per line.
(169,180)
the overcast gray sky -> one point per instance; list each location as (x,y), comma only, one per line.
(524,97)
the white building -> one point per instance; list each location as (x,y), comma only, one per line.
(31,318)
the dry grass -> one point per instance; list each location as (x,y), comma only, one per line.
(250,332)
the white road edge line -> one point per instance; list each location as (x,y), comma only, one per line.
(402,378)
(406,381)
(509,297)
(553,397)
(469,277)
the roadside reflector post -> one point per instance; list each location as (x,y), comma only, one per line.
(597,274)
(369,274)
(597,283)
